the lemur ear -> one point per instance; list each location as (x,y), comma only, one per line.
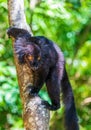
(36,39)
(17,32)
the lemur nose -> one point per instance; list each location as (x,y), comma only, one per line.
(34,63)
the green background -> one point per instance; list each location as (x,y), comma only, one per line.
(67,23)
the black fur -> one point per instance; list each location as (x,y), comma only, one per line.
(50,69)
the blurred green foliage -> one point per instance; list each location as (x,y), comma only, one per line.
(68,23)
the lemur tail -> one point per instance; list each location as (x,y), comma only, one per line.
(71,121)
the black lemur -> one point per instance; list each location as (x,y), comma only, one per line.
(46,61)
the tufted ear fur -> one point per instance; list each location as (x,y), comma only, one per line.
(17,32)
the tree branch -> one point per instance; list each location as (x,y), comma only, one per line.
(35,116)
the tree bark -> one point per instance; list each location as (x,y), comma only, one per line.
(35,116)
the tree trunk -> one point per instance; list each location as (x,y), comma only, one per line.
(35,116)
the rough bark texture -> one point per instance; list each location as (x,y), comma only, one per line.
(35,116)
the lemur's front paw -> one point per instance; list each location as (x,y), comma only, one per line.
(33,91)
(50,107)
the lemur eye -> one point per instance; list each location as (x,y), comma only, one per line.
(39,58)
(30,57)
